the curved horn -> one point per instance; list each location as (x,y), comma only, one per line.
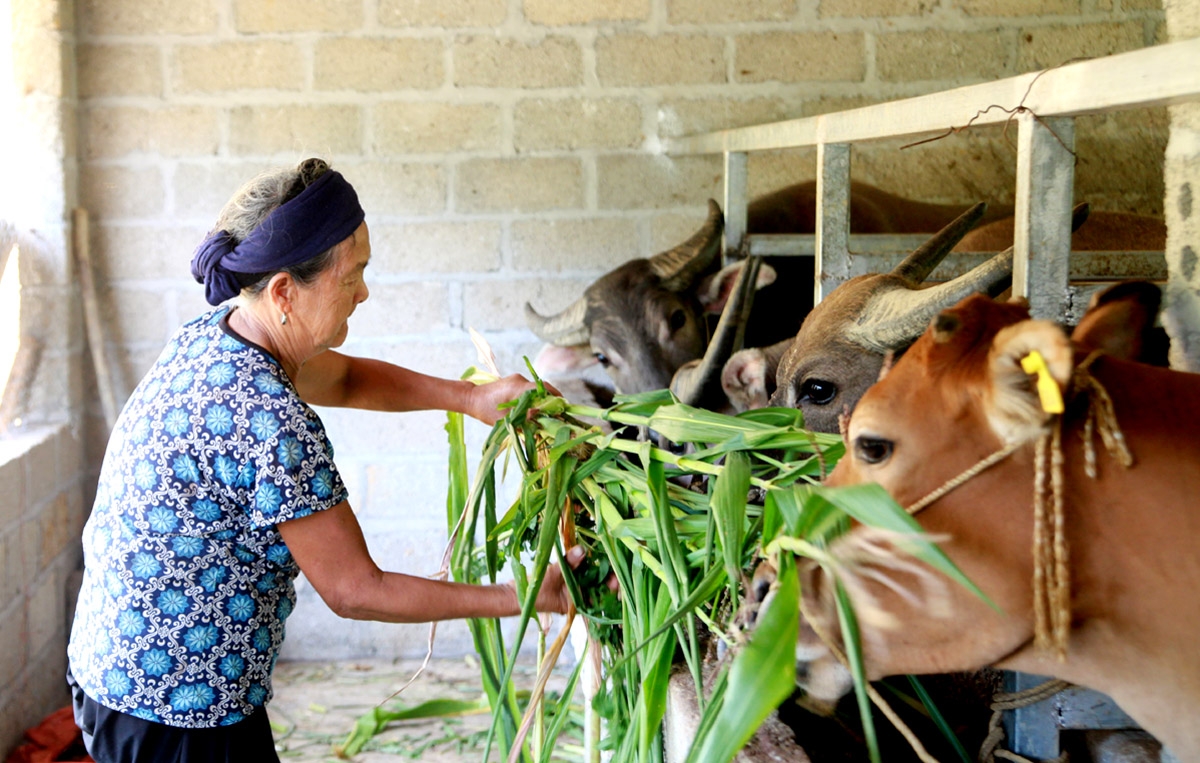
(1079,215)
(565,329)
(678,267)
(895,318)
(700,385)
(917,266)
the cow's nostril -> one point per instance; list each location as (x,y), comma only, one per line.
(761,587)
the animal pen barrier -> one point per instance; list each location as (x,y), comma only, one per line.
(1056,281)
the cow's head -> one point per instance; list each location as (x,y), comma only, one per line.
(841,345)
(959,395)
(646,318)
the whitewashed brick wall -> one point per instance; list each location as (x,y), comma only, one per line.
(509,151)
(1182,179)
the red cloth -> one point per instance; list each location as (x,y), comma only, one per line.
(55,740)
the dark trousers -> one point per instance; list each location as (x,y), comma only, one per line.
(115,737)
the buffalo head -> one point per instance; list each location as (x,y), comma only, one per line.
(646,318)
(840,348)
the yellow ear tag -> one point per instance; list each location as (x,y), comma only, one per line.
(1047,387)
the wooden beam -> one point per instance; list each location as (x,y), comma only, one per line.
(1154,76)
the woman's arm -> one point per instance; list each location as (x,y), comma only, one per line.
(343,381)
(330,550)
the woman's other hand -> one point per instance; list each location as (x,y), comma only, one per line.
(486,399)
(553,595)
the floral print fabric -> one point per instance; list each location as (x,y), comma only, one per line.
(187,582)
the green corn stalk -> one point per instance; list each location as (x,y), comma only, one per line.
(679,555)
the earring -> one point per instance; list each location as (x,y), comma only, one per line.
(283,320)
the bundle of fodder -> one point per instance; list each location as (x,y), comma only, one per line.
(680,535)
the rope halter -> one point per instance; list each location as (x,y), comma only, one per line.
(1051,555)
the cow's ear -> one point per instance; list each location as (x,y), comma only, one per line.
(1120,320)
(715,289)
(557,361)
(1029,366)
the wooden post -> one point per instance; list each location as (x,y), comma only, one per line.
(832,264)
(1042,225)
(735,203)
(91,316)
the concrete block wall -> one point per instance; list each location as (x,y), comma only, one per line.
(510,151)
(41,516)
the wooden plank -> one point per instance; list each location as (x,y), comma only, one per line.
(1042,220)
(805,244)
(878,252)
(833,219)
(736,200)
(1030,731)
(1154,76)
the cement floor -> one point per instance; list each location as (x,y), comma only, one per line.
(316,705)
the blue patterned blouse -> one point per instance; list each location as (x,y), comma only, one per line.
(187,582)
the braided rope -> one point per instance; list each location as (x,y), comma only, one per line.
(954,482)
(1041,611)
(1059,598)
(1051,554)
(1102,415)
(988,751)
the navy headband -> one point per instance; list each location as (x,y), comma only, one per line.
(322,216)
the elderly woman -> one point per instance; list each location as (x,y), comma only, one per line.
(219,486)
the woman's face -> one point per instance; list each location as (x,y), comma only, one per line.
(324,307)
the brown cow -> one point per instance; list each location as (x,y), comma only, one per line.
(1119,607)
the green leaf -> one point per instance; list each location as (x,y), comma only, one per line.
(852,643)
(656,672)
(683,423)
(871,505)
(729,509)
(763,673)
(375,720)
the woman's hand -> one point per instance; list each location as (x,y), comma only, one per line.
(486,399)
(553,596)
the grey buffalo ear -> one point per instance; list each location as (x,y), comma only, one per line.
(715,289)
(1018,407)
(553,360)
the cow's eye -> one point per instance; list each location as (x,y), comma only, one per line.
(677,320)
(873,450)
(818,391)
(602,359)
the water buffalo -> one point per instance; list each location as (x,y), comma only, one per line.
(1077,525)
(646,318)
(841,345)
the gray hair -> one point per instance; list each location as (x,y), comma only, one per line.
(259,197)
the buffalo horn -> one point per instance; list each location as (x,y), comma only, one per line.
(894,319)
(680,266)
(700,385)
(917,266)
(563,330)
